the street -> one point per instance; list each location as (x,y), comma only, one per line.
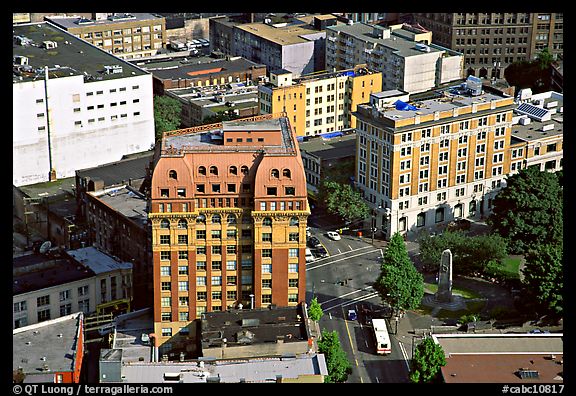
(343,281)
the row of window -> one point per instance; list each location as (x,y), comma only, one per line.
(217,219)
(230,234)
(216,280)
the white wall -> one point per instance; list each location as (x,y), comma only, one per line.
(79,146)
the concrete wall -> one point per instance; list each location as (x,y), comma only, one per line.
(299,58)
(89,144)
(193,29)
(420,72)
(450,68)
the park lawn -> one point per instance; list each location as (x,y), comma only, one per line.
(465,293)
(510,267)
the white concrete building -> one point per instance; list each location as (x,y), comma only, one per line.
(47,288)
(406,56)
(74,106)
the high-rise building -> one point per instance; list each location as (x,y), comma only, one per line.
(74,105)
(405,55)
(319,102)
(491,42)
(425,163)
(228,210)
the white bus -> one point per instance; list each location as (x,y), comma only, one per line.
(381,337)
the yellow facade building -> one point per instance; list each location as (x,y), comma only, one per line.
(319,102)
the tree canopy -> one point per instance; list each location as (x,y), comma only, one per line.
(543,277)
(469,253)
(344,201)
(529,210)
(399,283)
(534,74)
(167,113)
(315,310)
(427,362)
(339,368)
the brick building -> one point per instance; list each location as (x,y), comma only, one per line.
(228,210)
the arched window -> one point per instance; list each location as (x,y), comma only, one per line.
(233,170)
(202,170)
(294,221)
(244,170)
(472,208)
(439,215)
(173,175)
(216,219)
(275,173)
(421,220)
(213,170)
(286,173)
(231,219)
(164,223)
(182,224)
(246,220)
(201,219)
(267,221)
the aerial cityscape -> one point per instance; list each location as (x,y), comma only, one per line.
(287,198)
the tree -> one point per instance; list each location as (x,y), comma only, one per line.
(339,368)
(544,59)
(343,201)
(529,210)
(427,362)
(167,112)
(468,253)
(315,311)
(535,74)
(543,277)
(399,283)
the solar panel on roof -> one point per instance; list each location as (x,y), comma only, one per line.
(528,374)
(533,111)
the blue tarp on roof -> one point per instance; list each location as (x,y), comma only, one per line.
(404,106)
(329,135)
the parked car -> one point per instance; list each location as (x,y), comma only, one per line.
(309,256)
(308,232)
(333,235)
(321,251)
(352,314)
(314,242)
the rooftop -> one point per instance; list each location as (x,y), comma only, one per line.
(128,336)
(59,187)
(336,147)
(119,172)
(127,202)
(188,70)
(400,41)
(97,261)
(546,117)
(209,138)
(269,369)
(30,351)
(286,35)
(76,22)
(70,57)
(255,326)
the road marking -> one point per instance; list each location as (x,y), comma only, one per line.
(339,254)
(339,251)
(405,355)
(344,258)
(349,337)
(350,247)
(361,298)
(344,295)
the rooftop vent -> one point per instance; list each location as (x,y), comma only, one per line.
(547,127)
(422,47)
(49,44)
(113,69)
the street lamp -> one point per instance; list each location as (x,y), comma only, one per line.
(251,301)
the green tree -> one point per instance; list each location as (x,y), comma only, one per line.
(315,311)
(535,74)
(529,210)
(399,283)
(167,113)
(339,368)
(544,59)
(427,362)
(344,201)
(543,277)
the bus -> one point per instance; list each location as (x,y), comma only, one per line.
(383,346)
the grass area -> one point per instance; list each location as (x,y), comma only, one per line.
(510,266)
(465,293)
(472,307)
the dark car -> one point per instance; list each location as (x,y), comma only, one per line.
(321,251)
(314,242)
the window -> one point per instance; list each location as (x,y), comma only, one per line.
(275,174)
(183,301)
(183,317)
(65,295)
(267,221)
(166,332)
(294,222)
(166,317)
(165,270)
(439,215)
(266,252)
(286,173)
(292,298)
(182,270)
(216,234)
(266,268)
(182,285)
(202,170)
(181,192)
(293,252)
(216,281)
(182,224)
(164,192)
(165,255)
(231,280)
(83,291)
(20,306)
(43,315)
(214,170)
(41,301)
(271,190)
(292,267)
(200,234)
(201,265)
(244,169)
(216,295)
(233,170)
(290,191)
(165,286)
(216,265)
(164,239)
(266,237)
(292,282)
(216,188)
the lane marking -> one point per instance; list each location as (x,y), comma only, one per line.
(339,254)
(405,355)
(342,259)
(361,298)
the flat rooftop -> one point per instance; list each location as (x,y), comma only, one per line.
(191,70)
(51,343)
(97,261)
(76,22)
(551,102)
(71,57)
(34,272)
(126,201)
(120,172)
(336,147)
(500,343)
(233,371)
(198,139)
(128,336)
(262,325)
(286,35)
(59,187)
(400,41)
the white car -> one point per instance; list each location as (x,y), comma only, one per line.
(333,235)
(309,256)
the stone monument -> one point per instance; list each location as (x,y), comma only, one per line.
(444,293)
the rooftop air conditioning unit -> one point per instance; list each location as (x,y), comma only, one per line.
(548,127)
(524,120)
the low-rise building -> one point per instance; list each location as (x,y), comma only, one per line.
(49,286)
(126,35)
(51,351)
(502,358)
